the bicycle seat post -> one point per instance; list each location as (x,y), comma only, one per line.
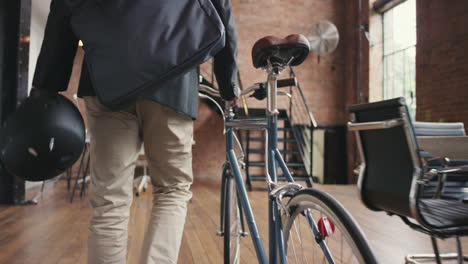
(273,72)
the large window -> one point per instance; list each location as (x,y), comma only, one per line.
(399,54)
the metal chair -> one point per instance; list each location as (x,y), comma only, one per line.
(82,175)
(439,128)
(392,176)
(456,184)
(141,183)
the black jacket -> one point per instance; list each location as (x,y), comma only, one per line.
(55,63)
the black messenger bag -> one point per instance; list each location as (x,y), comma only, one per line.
(131,46)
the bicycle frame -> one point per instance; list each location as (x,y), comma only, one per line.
(273,160)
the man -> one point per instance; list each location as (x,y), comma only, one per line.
(163,122)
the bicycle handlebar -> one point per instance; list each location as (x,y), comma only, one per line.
(209,90)
(280,83)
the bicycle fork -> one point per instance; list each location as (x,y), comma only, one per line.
(226,179)
(276,197)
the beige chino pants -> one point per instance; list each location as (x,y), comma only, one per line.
(116,140)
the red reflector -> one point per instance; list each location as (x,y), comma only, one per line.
(326,226)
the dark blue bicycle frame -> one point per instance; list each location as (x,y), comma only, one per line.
(275,160)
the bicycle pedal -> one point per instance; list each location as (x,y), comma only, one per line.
(244,234)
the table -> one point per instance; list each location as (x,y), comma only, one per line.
(451,146)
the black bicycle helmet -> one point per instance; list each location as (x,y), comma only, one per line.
(44,137)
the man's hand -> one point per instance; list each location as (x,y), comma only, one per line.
(233,102)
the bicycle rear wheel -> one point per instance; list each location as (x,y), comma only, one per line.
(315,223)
(233,226)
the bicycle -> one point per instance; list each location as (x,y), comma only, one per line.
(292,209)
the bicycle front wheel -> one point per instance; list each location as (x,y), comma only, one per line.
(233,228)
(317,229)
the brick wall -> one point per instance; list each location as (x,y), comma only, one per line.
(442,61)
(329,85)
(322,82)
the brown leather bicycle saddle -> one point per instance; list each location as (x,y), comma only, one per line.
(277,50)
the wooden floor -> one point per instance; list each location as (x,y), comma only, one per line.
(55,231)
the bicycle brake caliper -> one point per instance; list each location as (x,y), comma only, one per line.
(281,190)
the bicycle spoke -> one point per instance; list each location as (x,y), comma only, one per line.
(300,240)
(333,238)
(293,244)
(304,256)
(341,247)
(233,226)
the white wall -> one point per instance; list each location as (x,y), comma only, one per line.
(375,55)
(40,11)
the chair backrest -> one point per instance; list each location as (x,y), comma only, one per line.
(391,164)
(438,129)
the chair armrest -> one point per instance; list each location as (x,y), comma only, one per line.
(429,175)
(354,126)
(447,170)
(441,174)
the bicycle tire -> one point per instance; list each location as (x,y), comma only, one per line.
(318,204)
(232,224)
